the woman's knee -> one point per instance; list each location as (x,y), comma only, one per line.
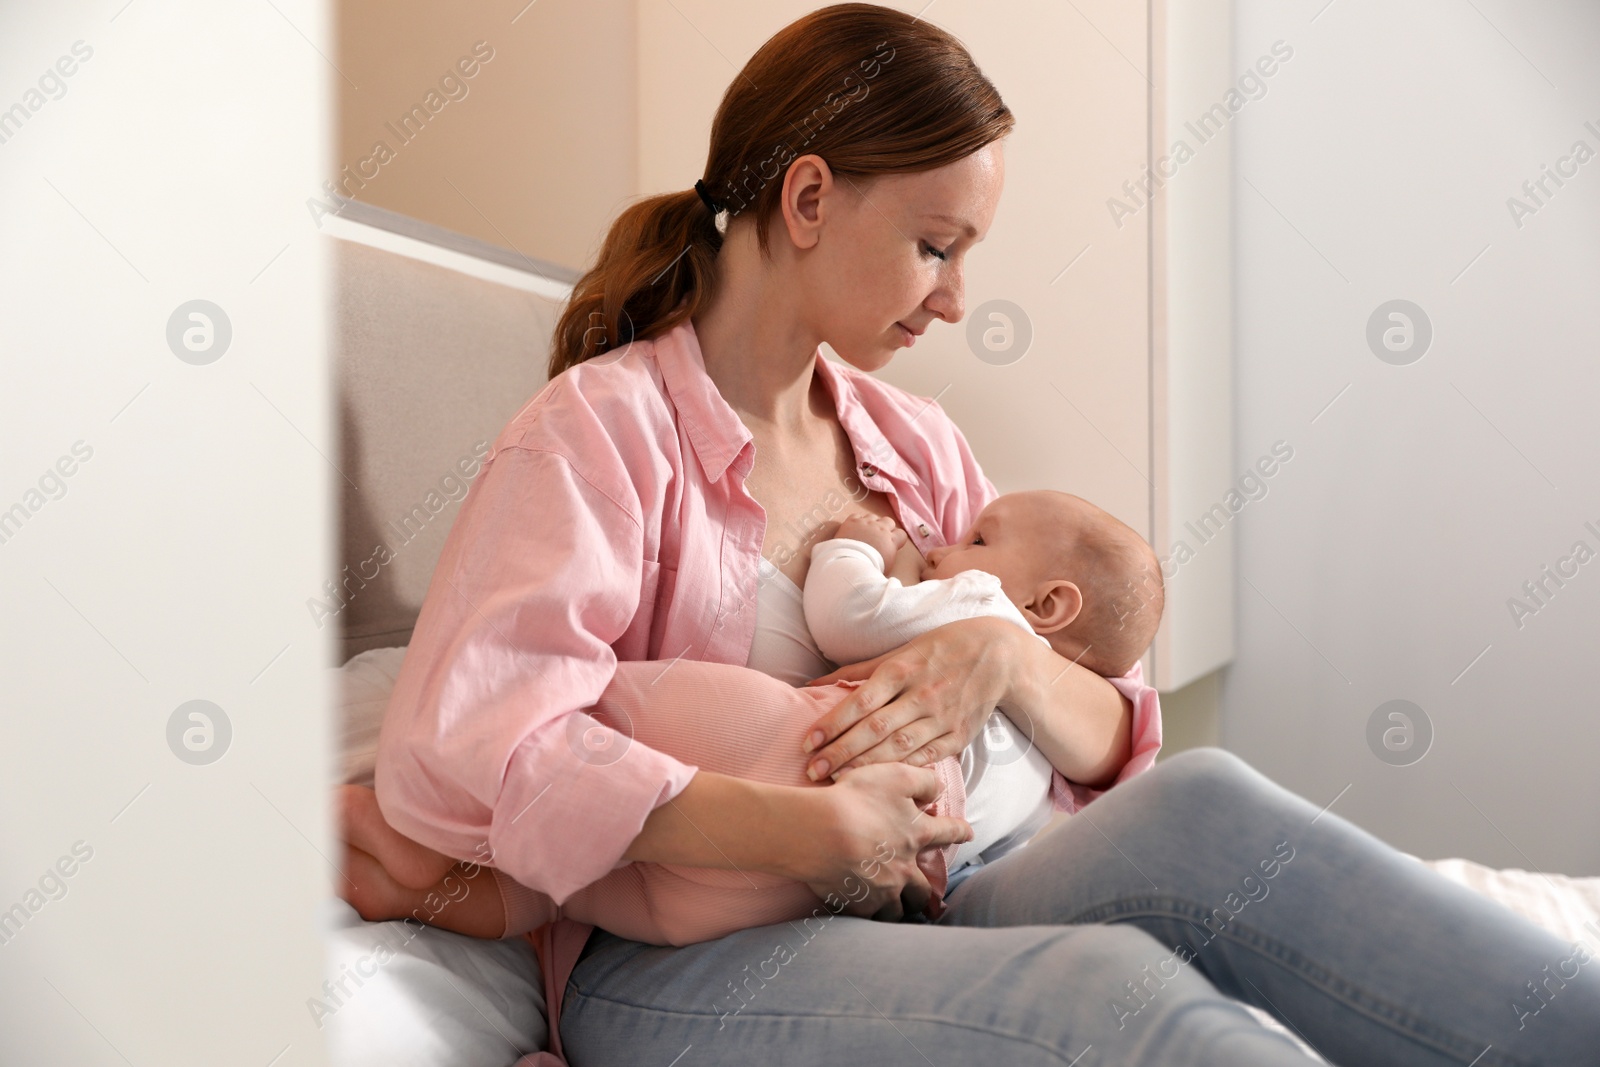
(1203,782)
(1209,773)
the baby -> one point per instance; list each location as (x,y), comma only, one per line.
(1053,563)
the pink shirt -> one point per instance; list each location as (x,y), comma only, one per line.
(611,527)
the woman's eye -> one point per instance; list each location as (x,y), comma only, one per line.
(977,539)
(932,251)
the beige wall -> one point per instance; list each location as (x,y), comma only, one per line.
(556,134)
(538,155)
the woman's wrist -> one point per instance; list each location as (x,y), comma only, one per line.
(1017,652)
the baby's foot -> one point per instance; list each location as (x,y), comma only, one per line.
(367,887)
(466,904)
(406,862)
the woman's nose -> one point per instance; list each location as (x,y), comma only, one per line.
(949,300)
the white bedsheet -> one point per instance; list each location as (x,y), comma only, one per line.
(426,997)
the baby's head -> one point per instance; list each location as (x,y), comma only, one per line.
(1085,581)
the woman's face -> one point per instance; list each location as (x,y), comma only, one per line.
(889,252)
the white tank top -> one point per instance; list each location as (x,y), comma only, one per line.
(1008,796)
(782,646)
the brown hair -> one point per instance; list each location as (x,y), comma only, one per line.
(870,89)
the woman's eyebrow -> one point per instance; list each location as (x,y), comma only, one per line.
(961,224)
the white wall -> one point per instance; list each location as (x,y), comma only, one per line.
(1381,562)
(172,561)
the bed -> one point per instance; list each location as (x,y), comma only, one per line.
(439,340)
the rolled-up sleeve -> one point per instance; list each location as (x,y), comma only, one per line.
(487,752)
(1144,734)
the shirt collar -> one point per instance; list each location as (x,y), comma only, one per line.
(717,434)
(871,447)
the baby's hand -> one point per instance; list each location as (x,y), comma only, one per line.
(876,530)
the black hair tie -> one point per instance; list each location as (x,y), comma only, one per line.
(705,195)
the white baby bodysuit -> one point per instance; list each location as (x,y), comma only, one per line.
(855,612)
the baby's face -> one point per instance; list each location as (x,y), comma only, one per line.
(1009,540)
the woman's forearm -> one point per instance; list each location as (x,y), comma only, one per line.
(723,822)
(1081,723)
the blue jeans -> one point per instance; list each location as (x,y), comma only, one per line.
(1127,935)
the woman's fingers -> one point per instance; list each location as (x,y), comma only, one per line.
(931,752)
(852,672)
(915,896)
(863,719)
(945,830)
(925,785)
(881,809)
(886,736)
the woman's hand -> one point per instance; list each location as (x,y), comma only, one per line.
(920,703)
(859,849)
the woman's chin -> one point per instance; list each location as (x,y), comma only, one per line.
(868,358)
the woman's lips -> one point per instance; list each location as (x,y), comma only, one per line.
(911,338)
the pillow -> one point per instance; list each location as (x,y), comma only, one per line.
(363,686)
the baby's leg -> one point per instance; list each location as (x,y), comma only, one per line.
(738,722)
(720,718)
(465,899)
(407,863)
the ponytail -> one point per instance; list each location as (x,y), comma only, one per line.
(658,252)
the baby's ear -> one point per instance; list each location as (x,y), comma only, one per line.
(1054,606)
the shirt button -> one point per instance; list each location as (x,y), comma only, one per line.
(922,528)
(869,470)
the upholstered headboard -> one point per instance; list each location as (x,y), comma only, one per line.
(439,339)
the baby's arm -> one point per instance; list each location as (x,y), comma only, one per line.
(855,612)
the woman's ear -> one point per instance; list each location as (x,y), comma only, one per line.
(806,183)
(1053,607)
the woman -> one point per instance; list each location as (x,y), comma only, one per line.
(691,431)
